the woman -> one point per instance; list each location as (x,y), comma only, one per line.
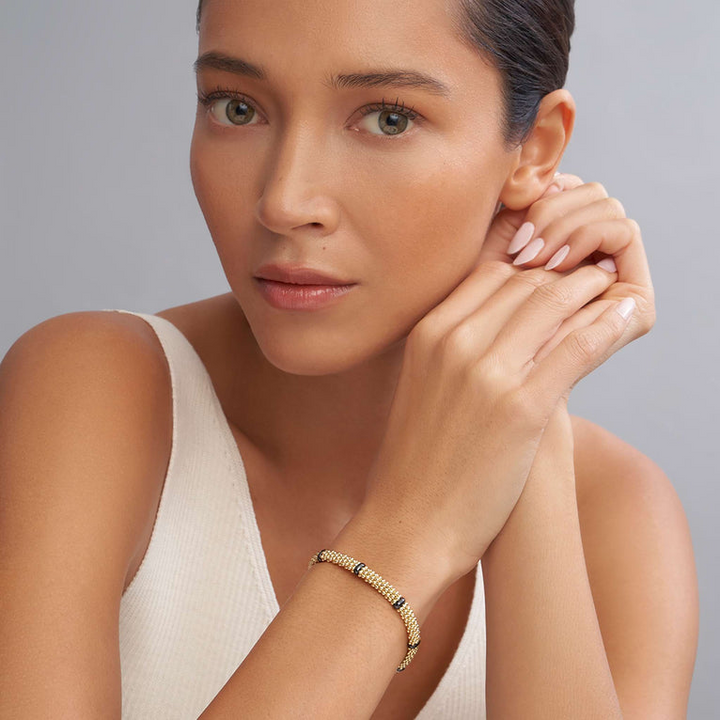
(414,418)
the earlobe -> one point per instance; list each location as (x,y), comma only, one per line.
(540,155)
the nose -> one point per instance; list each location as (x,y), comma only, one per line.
(295,193)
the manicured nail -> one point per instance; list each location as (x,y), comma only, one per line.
(530,251)
(558,257)
(522,237)
(626,307)
(608,264)
(552,189)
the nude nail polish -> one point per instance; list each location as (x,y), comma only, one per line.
(626,307)
(522,238)
(530,251)
(558,257)
(607,264)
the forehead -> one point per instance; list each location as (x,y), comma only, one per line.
(306,40)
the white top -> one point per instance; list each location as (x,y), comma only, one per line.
(202,595)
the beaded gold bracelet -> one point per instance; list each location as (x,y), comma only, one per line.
(385,589)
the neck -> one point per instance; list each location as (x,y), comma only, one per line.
(323,431)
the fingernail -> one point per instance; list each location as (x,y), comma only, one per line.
(626,307)
(522,238)
(552,189)
(530,251)
(608,264)
(558,257)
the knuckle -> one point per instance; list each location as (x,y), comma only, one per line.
(634,227)
(532,277)
(488,374)
(583,344)
(615,207)
(555,295)
(598,189)
(426,333)
(647,314)
(460,344)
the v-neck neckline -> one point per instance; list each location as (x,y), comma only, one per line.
(268,591)
(260,564)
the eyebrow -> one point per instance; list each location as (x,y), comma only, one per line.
(395,77)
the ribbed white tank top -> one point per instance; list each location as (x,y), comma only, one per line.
(203,595)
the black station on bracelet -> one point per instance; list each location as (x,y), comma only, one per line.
(398,602)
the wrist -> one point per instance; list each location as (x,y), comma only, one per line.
(409,561)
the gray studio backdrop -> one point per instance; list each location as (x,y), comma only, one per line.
(97,209)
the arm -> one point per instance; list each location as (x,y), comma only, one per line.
(599,624)
(77,392)
(642,572)
(333,648)
(85,436)
(545,654)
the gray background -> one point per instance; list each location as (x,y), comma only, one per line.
(97,209)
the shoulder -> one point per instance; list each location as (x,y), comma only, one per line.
(610,470)
(95,334)
(87,413)
(641,568)
(603,459)
(85,432)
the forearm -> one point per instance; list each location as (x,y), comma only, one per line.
(545,653)
(334,647)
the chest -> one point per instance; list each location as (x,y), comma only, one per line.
(442,630)
(289,540)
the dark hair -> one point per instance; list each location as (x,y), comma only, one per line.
(528,41)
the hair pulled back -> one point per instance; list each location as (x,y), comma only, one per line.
(528,41)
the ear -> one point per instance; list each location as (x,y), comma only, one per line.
(538,158)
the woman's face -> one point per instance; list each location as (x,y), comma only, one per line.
(300,176)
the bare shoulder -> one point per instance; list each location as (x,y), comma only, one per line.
(602,457)
(641,567)
(96,385)
(85,432)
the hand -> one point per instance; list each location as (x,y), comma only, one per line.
(593,227)
(506,222)
(474,397)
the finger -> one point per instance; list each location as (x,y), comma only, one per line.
(586,316)
(530,238)
(482,283)
(582,318)
(577,355)
(537,319)
(568,181)
(507,223)
(558,231)
(621,239)
(503,229)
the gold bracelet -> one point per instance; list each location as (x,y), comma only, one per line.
(385,589)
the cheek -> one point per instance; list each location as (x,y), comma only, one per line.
(216,178)
(426,238)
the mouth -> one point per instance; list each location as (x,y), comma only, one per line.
(300,296)
(300,275)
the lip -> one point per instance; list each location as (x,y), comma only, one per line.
(289,296)
(299,275)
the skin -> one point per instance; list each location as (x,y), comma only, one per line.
(295,185)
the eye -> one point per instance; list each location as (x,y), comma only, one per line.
(393,118)
(236,109)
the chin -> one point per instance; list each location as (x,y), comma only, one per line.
(298,350)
